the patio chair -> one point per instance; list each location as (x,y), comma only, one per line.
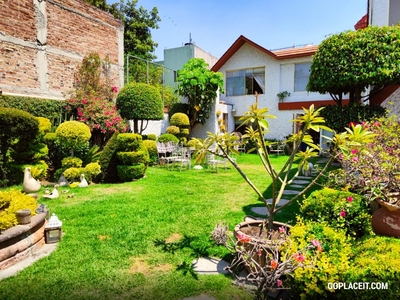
(184,159)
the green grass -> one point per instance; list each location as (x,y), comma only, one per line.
(112,247)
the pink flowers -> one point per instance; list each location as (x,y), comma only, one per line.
(282,229)
(349,199)
(317,244)
(114,89)
(243,238)
(343,214)
(299,257)
(354,151)
(279,282)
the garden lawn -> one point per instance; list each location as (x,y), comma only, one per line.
(137,240)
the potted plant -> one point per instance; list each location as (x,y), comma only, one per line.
(255,120)
(373,170)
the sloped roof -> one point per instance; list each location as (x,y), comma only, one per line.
(278,54)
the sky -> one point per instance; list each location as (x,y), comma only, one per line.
(214,25)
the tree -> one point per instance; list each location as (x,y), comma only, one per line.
(351,61)
(140,102)
(199,85)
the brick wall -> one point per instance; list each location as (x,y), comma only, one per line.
(42,42)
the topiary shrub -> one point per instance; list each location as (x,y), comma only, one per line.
(340,209)
(73,174)
(108,160)
(71,161)
(73,134)
(150,136)
(173,130)
(151,147)
(91,171)
(165,138)
(133,155)
(18,129)
(375,260)
(333,259)
(10,202)
(180,120)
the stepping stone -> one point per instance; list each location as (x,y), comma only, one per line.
(281,202)
(260,210)
(297,181)
(290,192)
(304,177)
(209,265)
(297,186)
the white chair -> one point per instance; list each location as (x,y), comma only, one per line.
(184,159)
(215,161)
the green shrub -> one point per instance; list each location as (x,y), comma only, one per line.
(44,125)
(150,136)
(108,160)
(184,132)
(10,202)
(164,138)
(91,171)
(151,147)
(73,134)
(134,157)
(129,173)
(73,174)
(312,283)
(375,259)
(173,130)
(341,209)
(335,179)
(180,120)
(129,141)
(39,170)
(71,161)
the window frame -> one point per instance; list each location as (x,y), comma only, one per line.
(243,77)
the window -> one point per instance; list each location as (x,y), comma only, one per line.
(245,82)
(301,75)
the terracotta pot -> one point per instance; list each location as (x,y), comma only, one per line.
(386,220)
(252,230)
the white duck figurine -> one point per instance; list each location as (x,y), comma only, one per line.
(54,193)
(30,184)
(83,182)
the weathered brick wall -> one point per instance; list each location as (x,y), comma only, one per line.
(43,42)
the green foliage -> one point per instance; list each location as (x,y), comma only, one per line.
(129,141)
(10,202)
(312,283)
(73,134)
(39,170)
(108,160)
(180,120)
(134,157)
(50,109)
(166,137)
(17,130)
(375,260)
(174,130)
(44,125)
(168,94)
(339,117)
(151,147)
(138,102)
(92,170)
(93,155)
(72,174)
(340,209)
(71,161)
(150,136)
(128,172)
(199,85)
(178,108)
(350,61)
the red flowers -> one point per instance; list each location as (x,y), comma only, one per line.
(343,213)
(349,199)
(274,264)
(243,238)
(299,257)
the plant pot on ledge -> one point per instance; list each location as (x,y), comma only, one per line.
(386,220)
(23,216)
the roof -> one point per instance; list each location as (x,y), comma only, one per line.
(362,23)
(277,54)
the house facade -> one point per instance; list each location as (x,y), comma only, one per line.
(249,68)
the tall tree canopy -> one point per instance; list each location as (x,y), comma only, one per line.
(137,22)
(199,85)
(351,61)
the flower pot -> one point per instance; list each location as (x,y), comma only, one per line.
(260,244)
(23,216)
(386,220)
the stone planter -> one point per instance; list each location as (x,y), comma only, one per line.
(20,241)
(23,216)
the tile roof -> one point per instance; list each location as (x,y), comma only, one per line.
(277,54)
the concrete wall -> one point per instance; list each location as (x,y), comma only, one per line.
(43,41)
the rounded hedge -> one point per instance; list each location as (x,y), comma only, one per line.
(73,134)
(166,137)
(152,149)
(172,129)
(180,120)
(129,173)
(140,101)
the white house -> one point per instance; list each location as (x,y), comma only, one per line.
(249,68)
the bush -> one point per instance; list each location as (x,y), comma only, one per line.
(12,201)
(180,120)
(150,136)
(39,170)
(134,157)
(375,259)
(151,147)
(71,161)
(73,134)
(165,138)
(129,173)
(341,209)
(91,171)
(173,130)
(129,141)
(108,160)
(73,174)
(312,283)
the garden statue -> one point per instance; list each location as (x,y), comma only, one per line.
(63,181)
(30,184)
(83,182)
(54,193)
